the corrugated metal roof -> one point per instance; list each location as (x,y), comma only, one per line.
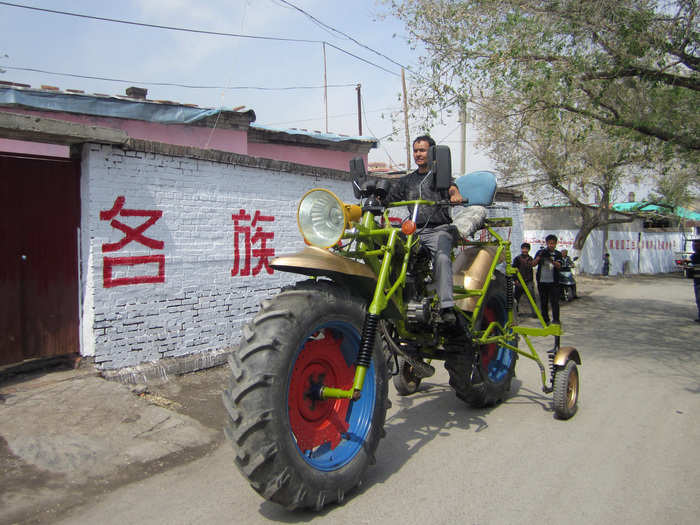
(663,210)
(52,99)
(332,137)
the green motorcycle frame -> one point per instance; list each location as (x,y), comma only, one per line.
(308,392)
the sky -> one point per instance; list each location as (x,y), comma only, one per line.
(78,46)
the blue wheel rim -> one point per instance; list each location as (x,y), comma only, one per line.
(498,368)
(359,413)
(499,365)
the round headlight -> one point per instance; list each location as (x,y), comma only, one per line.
(321,218)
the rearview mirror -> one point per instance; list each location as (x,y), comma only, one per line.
(441,166)
(359,175)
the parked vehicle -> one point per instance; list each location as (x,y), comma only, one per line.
(682,258)
(567,282)
(308,391)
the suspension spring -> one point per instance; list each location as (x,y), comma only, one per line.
(550,355)
(509,292)
(369,332)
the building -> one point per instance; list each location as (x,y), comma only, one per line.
(638,246)
(140,231)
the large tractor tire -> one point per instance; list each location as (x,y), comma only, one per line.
(481,377)
(294,450)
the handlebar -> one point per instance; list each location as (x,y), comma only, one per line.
(425,203)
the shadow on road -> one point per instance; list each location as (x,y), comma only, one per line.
(413,422)
(656,334)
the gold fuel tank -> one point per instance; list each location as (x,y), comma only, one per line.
(470,269)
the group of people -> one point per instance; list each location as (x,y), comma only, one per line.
(550,262)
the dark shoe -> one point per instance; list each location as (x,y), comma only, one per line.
(697,320)
(448,316)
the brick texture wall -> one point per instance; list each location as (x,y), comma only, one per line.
(161,272)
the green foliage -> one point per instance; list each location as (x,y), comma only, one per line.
(630,64)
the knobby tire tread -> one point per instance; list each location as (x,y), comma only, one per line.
(258,428)
(470,384)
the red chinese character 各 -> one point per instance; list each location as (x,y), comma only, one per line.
(263,253)
(131,234)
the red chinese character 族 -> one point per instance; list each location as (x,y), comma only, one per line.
(243,234)
(131,235)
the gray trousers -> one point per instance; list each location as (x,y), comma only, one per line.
(439,241)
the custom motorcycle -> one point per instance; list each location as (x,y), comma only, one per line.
(308,390)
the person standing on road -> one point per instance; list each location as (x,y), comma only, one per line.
(548,261)
(695,269)
(523,263)
(433,222)
(606,264)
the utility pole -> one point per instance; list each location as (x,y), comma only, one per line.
(359,108)
(405,120)
(325,87)
(463,122)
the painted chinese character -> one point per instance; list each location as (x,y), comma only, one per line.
(131,235)
(243,235)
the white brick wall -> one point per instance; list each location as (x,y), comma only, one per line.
(200,306)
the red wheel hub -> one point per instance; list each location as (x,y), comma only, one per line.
(320,363)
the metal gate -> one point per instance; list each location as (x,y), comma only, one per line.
(39,219)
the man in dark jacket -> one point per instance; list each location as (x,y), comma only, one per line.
(523,263)
(548,261)
(433,222)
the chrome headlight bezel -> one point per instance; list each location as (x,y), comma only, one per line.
(321,218)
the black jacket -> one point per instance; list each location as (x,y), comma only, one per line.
(522,263)
(416,186)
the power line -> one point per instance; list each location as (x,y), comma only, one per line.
(175,84)
(364,114)
(156,26)
(326,26)
(198,31)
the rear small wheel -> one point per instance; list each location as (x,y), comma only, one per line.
(405,381)
(566,390)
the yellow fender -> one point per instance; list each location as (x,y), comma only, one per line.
(564,354)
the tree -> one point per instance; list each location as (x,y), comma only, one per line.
(628,64)
(562,151)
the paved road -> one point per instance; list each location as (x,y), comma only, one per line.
(630,455)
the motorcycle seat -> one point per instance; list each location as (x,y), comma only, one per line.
(478,188)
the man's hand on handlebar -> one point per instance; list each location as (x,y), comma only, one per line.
(455,195)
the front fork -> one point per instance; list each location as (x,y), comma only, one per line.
(369,329)
(364,358)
